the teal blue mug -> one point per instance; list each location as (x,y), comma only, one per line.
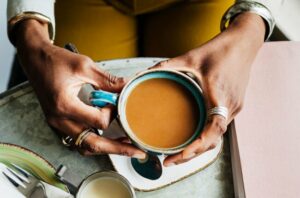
(101,98)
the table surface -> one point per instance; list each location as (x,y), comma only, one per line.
(23,123)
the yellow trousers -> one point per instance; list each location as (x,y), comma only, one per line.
(161,28)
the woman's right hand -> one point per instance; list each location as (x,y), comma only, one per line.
(57,76)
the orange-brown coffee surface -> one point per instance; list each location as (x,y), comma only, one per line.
(162,113)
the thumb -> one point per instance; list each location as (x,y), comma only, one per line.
(107,81)
(100,145)
(177,62)
(182,64)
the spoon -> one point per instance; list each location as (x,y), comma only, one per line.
(150,167)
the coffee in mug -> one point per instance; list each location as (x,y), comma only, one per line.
(161,111)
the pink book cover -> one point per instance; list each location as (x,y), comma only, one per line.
(265,136)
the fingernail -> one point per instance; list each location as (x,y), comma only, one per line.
(170,164)
(126,141)
(190,156)
(139,156)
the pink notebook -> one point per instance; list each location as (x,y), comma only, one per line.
(265,137)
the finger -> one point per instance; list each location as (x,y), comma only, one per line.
(179,64)
(107,81)
(99,145)
(95,144)
(99,118)
(124,140)
(84,152)
(68,127)
(172,160)
(91,74)
(208,139)
(170,63)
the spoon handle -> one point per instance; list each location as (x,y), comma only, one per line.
(67,178)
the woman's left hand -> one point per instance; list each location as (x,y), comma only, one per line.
(222,67)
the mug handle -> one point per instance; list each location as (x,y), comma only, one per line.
(102,98)
(98,98)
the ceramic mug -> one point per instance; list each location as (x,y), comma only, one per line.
(101,98)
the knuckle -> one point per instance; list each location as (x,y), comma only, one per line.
(183,161)
(104,124)
(60,104)
(220,125)
(239,106)
(158,65)
(212,146)
(125,152)
(113,80)
(85,61)
(51,121)
(236,105)
(234,102)
(199,144)
(101,123)
(162,64)
(82,64)
(96,122)
(95,148)
(189,59)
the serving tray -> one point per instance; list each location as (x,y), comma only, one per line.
(127,68)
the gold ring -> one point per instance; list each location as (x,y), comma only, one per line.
(82,136)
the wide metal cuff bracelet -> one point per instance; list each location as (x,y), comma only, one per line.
(253,7)
(28,15)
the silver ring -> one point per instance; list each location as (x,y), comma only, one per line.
(67,141)
(220,110)
(99,131)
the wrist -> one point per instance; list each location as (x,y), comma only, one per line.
(245,35)
(241,40)
(32,45)
(32,34)
(248,27)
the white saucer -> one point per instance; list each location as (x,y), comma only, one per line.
(170,174)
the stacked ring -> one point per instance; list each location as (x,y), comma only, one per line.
(82,136)
(220,110)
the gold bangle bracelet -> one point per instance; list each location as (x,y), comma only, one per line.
(24,16)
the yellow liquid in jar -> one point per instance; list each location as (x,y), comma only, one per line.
(105,188)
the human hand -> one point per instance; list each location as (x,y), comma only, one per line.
(57,76)
(222,68)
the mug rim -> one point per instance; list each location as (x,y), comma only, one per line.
(125,125)
(103,174)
